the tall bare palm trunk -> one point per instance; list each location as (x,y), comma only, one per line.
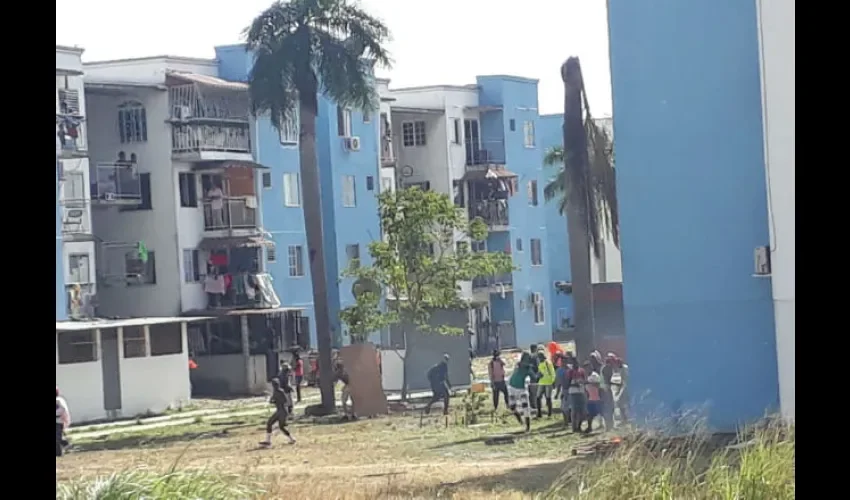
(577,209)
(315,242)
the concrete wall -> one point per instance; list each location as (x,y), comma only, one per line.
(226,374)
(776,23)
(685,83)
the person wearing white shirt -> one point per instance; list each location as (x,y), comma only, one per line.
(63,421)
(216,198)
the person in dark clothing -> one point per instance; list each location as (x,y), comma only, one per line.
(281,401)
(438,377)
(340,375)
(283,377)
(496,370)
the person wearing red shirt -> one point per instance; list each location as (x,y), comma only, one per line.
(298,371)
(577,380)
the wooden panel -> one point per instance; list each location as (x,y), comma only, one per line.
(241,181)
(367,394)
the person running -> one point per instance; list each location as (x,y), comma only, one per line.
(342,376)
(496,371)
(63,421)
(283,377)
(544,384)
(298,371)
(438,377)
(594,402)
(518,390)
(577,380)
(281,401)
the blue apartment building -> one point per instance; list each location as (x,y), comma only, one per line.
(561,312)
(509,125)
(347,150)
(693,206)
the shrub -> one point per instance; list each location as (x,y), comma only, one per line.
(144,485)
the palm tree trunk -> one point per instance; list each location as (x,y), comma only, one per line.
(311,190)
(580,278)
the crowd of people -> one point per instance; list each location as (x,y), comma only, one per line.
(586,390)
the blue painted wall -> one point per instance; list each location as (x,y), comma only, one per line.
(61,297)
(551,135)
(517,98)
(691,186)
(285,224)
(357,225)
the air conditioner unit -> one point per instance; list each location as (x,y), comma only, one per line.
(352,143)
(109,196)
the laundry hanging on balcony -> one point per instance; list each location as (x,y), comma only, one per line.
(67,129)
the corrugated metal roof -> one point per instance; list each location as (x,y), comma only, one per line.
(206,80)
(74,326)
(490,173)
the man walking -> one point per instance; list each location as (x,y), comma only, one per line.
(518,397)
(438,378)
(281,402)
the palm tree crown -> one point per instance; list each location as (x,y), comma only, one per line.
(304,46)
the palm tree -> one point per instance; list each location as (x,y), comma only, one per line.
(586,186)
(301,48)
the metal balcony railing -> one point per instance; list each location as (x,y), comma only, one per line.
(485,152)
(198,138)
(494,212)
(117,182)
(488,281)
(235,213)
(76,217)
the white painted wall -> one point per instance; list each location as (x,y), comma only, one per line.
(777,41)
(154,383)
(392,369)
(69,58)
(81,384)
(190,224)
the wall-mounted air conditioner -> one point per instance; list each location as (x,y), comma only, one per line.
(352,143)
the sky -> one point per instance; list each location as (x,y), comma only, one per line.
(433,42)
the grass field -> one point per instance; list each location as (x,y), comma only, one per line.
(371,458)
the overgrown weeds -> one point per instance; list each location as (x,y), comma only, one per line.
(760,467)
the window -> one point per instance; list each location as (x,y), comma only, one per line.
(132,122)
(166,339)
(352,252)
(291,190)
(146,203)
(539,309)
(367,116)
(343,121)
(458,194)
(191,266)
(536,252)
(512,124)
(78,268)
(532,193)
(456,131)
(349,193)
(74,187)
(370,183)
(271,254)
(76,347)
(564,319)
(413,133)
(462,247)
(135,345)
(140,272)
(296,261)
(528,132)
(479,246)
(267,180)
(188,190)
(289,129)
(387,184)
(519,244)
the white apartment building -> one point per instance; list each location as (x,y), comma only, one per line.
(180,231)
(385,134)
(78,248)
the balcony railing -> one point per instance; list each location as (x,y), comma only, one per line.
(485,153)
(235,213)
(494,212)
(76,217)
(506,279)
(387,156)
(116,182)
(199,138)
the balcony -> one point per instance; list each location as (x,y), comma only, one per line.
(116,184)
(81,300)
(76,220)
(211,142)
(495,284)
(235,214)
(485,153)
(70,137)
(493,212)
(242,290)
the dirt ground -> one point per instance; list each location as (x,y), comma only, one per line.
(388,457)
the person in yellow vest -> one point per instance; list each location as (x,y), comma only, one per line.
(545,383)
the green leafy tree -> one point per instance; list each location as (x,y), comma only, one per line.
(303,48)
(585,187)
(418,264)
